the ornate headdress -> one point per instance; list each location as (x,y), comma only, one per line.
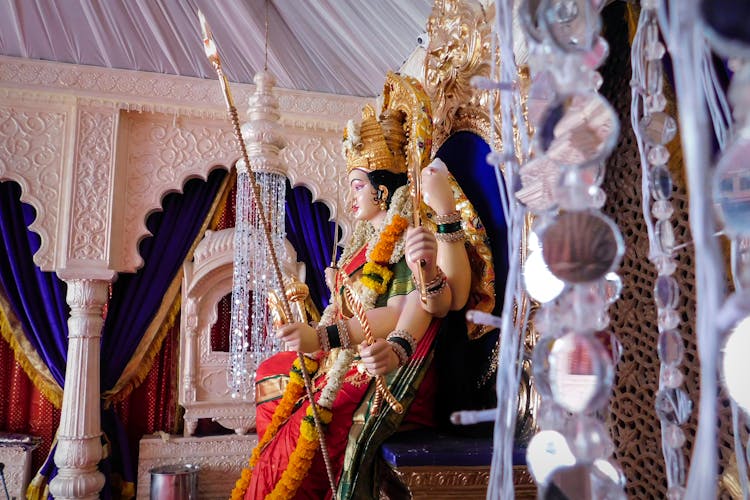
(370,145)
(403,129)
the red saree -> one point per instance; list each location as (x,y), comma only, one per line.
(355,391)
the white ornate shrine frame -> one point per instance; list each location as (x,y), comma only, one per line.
(95,151)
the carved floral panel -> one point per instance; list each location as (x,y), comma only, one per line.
(31,152)
(93,170)
(161,156)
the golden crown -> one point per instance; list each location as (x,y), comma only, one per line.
(403,129)
(375,145)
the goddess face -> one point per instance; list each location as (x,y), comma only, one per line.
(362,197)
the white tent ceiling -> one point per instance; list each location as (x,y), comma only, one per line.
(335,46)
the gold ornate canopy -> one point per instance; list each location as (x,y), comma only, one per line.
(459,48)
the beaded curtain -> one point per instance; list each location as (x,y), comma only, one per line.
(631,417)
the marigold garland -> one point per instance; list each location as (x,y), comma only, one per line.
(381,252)
(375,274)
(302,456)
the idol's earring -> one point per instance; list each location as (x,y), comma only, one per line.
(382,195)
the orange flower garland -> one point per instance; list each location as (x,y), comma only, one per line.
(302,456)
(375,274)
(294,390)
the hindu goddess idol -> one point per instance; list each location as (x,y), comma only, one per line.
(394,279)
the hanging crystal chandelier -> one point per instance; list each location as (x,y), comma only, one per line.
(250,323)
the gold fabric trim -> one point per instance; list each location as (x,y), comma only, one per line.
(270,388)
(140,364)
(27,356)
(38,488)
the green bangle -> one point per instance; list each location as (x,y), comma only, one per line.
(451,227)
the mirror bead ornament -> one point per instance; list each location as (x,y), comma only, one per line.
(655,129)
(576,245)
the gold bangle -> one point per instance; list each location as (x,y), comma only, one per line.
(434,281)
(403,338)
(403,358)
(450,237)
(448,218)
(323,338)
(346,341)
(437,290)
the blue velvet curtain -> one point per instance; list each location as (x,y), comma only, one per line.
(311,234)
(462,364)
(137,297)
(36,297)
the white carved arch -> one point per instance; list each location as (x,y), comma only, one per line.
(316,162)
(104,147)
(203,388)
(32,150)
(159,155)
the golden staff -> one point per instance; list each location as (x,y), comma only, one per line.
(405,94)
(415,179)
(213,57)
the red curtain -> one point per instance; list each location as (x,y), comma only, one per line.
(23,409)
(152,407)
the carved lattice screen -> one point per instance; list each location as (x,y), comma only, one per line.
(635,428)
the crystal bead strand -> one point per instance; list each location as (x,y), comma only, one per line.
(251,262)
(272,188)
(654,129)
(730,186)
(514,315)
(241,285)
(679,21)
(575,357)
(254,271)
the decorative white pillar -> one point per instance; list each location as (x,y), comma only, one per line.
(79,447)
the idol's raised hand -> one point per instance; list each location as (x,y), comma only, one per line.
(436,189)
(421,247)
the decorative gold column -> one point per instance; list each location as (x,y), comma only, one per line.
(79,447)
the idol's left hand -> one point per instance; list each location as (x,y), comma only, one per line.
(298,337)
(378,358)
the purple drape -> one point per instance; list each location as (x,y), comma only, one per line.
(36,297)
(311,234)
(137,297)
